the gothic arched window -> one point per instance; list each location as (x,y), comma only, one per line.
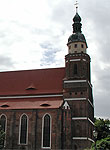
(23,129)
(46,129)
(3,128)
(75,69)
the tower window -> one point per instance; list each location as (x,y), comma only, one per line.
(70,47)
(46,131)
(23,129)
(75,93)
(81,93)
(75,68)
(82,46)
(75,45)
(70,93)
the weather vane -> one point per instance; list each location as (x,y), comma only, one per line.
(76,4)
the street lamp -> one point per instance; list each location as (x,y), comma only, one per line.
(95,133)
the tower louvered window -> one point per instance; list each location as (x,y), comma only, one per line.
(46,131)
(3,129)
(75,68)
(23,129)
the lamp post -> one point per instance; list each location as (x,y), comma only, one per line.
(95,133)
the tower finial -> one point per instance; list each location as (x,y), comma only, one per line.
(76,4)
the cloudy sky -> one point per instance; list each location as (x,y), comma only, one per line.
(34,33)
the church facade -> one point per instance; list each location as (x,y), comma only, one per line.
(50,108)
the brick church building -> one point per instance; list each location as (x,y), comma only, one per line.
(50,108)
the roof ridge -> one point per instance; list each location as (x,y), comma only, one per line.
(31,70)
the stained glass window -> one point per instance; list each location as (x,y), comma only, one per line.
(3,130)
(46,131)
(23,130)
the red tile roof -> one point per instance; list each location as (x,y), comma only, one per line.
(39,103)
(29,82)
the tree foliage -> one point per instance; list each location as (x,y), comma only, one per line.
(103,138)
(103,144)
(102,127)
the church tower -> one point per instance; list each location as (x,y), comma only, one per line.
(78,88)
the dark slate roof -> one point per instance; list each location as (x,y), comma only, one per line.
(77,37)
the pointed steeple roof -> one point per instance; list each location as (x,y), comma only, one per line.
(77,24)
(77,18)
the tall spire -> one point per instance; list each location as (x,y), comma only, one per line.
(77,24)
(77,35)
(77,19)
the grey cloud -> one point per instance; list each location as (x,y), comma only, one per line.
(101,90)
(8,37)
(61,14)
(103,79)
(6,63)
(102,104)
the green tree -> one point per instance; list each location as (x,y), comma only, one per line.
(103,144)
(102,127)
(103,138)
